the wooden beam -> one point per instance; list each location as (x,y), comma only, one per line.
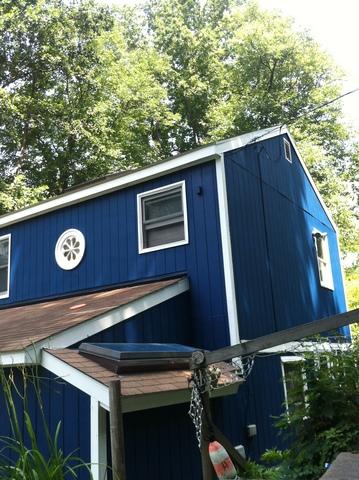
(117,432)
(274,339)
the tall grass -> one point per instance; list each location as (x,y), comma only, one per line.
(20,455)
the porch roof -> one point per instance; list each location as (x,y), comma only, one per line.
(64,322)
(140,390)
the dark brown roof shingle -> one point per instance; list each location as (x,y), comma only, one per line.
(23,326)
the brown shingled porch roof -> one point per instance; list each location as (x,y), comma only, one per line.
(144,390)
(25,326)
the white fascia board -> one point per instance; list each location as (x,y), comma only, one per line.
(230,287)
(9,359)
(96,390)
(311,181)
(101,322)
(199,155)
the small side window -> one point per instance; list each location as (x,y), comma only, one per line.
(287,150)
(323,259)
(292,368)
(4,265)
(162,218)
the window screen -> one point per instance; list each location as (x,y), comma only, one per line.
(287,150)
(323,260)
(4,265)
(163,217)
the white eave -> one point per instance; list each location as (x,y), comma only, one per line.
(199,155)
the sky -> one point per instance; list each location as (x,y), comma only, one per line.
(334,25)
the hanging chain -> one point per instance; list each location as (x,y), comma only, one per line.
(201,382)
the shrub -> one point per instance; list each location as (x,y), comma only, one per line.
(324,421)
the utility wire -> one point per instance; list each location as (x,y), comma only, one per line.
(313,109)
(304,114)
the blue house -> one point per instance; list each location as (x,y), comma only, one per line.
(219,245)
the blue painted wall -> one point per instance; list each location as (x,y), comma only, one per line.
(169,322)
(109,224)
(59,399)
(160,444)
(273,210)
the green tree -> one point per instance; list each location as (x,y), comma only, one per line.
(86,91)
(236,68)
(17,194)
(76,101)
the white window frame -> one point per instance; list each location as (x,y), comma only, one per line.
(287,145)
(150,193)
(290,359)
(325,273)
(6,293)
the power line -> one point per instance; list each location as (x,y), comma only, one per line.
(313,109)
(304,114)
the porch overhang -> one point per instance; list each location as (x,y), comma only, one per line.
(140,391)
(27,330)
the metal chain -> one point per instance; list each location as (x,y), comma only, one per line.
(201,382)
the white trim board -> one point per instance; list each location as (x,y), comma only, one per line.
(311,181)
(232,311)
(97,391)
(14,358)
(96,324)
(6,294)
(199,155)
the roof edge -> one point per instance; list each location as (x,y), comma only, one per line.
(186,160)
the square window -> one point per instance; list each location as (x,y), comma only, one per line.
(4,265)
(162,218)
(323,259)
(287,150)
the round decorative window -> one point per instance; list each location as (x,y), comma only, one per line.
(70,249)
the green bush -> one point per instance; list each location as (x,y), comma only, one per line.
(324,421)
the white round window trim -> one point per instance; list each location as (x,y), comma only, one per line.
(70,249)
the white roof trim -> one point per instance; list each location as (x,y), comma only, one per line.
(311,181)
(13,358)
(179,162)
(95,325)
(80,380)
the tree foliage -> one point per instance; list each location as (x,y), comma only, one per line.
(86,91)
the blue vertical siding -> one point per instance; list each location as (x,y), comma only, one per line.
(258,401)
(273,210)
(109,224)
(160,444)
(169,322)
(62,403)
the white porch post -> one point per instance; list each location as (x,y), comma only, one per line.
(98,441)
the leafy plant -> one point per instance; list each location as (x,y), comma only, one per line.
(20,455)
(323,422)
